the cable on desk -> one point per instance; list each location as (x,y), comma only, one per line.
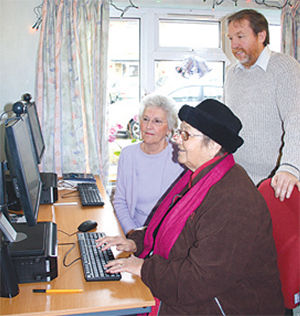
(6,205)
(67,253)
(69,235)
(69,195)
(66,185)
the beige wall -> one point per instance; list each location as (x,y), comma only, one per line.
(18,50)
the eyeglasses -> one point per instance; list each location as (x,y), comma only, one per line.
(155,121)
(185,135)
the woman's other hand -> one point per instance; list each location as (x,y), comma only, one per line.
(121,243)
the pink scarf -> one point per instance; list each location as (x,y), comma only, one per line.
(175,220)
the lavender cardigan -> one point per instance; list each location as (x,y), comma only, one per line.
(126,196)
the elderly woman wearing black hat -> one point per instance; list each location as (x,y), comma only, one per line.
(208,249)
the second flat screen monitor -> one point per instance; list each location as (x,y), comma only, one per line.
(36,132)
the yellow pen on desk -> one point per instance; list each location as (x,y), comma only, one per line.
(57,291)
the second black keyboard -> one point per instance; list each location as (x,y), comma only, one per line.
(93,259)
(90,194)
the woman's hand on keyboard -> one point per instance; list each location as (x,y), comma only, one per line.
(121,243)
(131,264)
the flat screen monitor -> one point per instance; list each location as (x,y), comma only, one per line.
(3,195)
(2,188)
(36,131)
(23,167)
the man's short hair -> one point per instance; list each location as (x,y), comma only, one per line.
(257,22)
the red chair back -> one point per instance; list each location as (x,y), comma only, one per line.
(286,232)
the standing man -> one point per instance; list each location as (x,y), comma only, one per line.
(263,90)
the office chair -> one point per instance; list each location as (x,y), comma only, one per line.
(286,233)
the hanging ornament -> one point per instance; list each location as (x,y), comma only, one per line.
(193,65)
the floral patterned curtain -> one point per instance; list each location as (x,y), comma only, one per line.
(71,86)
(290,21)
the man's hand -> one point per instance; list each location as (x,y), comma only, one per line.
(283,184)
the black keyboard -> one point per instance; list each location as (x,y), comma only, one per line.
(90,194)
(93,259)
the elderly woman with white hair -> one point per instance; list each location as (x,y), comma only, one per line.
(209,248)
(146,169)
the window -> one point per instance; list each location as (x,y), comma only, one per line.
(146,46)
(142,61)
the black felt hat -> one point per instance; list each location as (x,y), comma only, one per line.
(215,120)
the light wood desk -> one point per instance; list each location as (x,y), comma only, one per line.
(125,297)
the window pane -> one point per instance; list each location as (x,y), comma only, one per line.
(123,71)
(192,90)
(182,33)
(275,37)
(123,83)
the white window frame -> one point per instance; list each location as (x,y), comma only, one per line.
(149,38)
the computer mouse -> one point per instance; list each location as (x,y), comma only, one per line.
(87,225)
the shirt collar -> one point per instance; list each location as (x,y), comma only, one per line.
(262,60)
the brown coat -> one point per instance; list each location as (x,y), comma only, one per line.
(225,254)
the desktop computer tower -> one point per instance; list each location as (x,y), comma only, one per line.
(8,280)
(34,255)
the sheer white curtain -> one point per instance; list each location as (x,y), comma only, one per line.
(290,21)
(71,86)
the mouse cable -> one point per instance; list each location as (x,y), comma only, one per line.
(69,194)
(7,205)
(67,253)
(69,235)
